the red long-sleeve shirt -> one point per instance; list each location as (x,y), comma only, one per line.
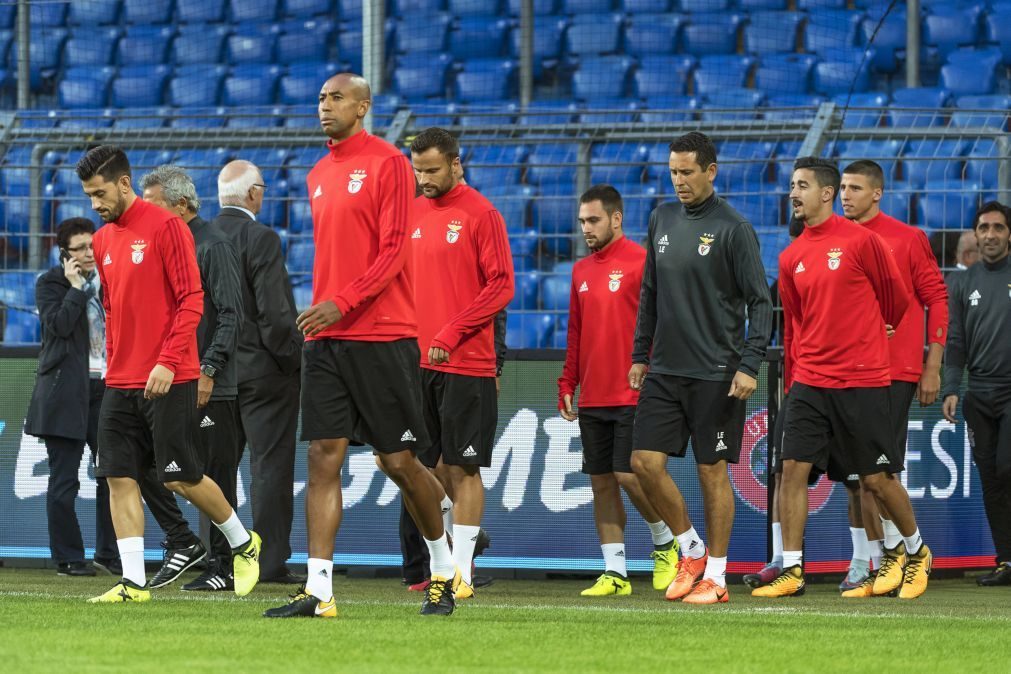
(604,300)
(463,276)
(840,285)
(360,195)
(152,295)
(919,270)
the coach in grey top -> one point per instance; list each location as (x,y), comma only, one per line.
(693,362)
(979,337)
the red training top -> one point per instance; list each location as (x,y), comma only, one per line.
(840,286)
(152,295)
(919,270)
(360,195)
(604,300)
(463,277)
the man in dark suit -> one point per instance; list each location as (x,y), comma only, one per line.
(268,359)
(68,396)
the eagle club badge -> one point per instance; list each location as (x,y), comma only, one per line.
(615,281)
(706,244)
(833,258)
(137,256)
(355,181)
(453,235)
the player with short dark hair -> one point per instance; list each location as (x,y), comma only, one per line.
(839,380)
(604,298)
(703,277)
(153,303)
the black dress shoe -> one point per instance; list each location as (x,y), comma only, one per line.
(999,576)
(74,569)
(286,578)
(113,567)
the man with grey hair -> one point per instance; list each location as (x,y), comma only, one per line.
(967,253)
(217,390)
(269,359)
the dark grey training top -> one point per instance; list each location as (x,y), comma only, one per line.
(979,328)
(703,268)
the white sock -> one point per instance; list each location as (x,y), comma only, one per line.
(234,531)
(661,533)
(892,535)
(716,570)
(913,543)
(691,545)
(447,514)
(860,550)
(320,580)
(464,539)
(131,554)
(876,552)
(441,557)
(614,558)
(792,558)
(777,543)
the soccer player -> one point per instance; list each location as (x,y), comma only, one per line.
(463,276)
(702,278)
(860,193)
(840,374)
(602,307)
(153,303)
(220,433)
(980,306)
(361,377)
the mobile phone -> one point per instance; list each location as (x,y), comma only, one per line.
(64,254)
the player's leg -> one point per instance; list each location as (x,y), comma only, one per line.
(182,548)
(990,424)
(860,559)
(774,568)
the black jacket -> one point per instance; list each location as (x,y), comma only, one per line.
(218,332)
(269,341)
(60,401)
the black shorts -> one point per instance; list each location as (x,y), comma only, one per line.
(368,392)
(219,433)
(134,434)
(776,444)
(606,434)
(900,397)
(673,410)
(461,413)
(858,419)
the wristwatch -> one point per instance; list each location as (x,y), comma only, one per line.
(208,371)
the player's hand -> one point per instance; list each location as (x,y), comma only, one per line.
(72,270)
(949,407)
(437,356)
(567,412)
(889,331)
(742,386)
(928,388)
(205,386)
(636,376)
(318,318)
(498,386)
(158,382)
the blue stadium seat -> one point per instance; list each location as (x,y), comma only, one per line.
(435,114)
(784,73)
(464,8)
(350,10)
(773,5)
(586,6)
(845,70)
(770,32)
(304,9)
(299,212)
(47,14)
(147,11)
(422,34)
(883,152)
(301,256)
(827,30)
(485,81)
(206,118)
(481,115)
(732,98)
(560,334)
(998,29)
(658,162)
(139,86)
(665,109)
(303,295)
(90,47)
(94,13)
(527,287)
(639,202)
(90,119)
(417,6)
(646,6)
(85,87)
(260,11)
(421,79)
(855,117)
(142,118)
(493,165)
(478,37)
(710,34)
(258,117)
(704,5)
(302,83)
(895,200)
(743,165)
(45,50)
(721,71)
(758,209)
(196,86)
(947,28)
(199,44)
(145,45)
(548,42)
(933,161)
(793,101)
(592,34)
(541,7)
(65,180)
(889,37)
(22,327)
(251,47)
(349,43)
(608,111)
(648,34)
(971,73)
(513,203)
(251,84)
(999,103)
(200,11)
(555,292)
(615,163)
(601,77)
(983,162)
(552,164)
(76,208)
(929,98)
(663,75)
(947,206)
(529,331)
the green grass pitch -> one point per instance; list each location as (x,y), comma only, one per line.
(512,626)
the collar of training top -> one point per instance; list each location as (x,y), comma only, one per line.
(348,146)
(999,265)
(701,210)
(133,212)
(450,197)
(608,251)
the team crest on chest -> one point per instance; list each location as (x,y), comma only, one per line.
(615,281)
(453,235)
(355,181)
(706,244)
(834,256)
(137,256)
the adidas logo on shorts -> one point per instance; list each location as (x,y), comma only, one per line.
(206,423)
(408,436)
(469,451)
(173,468)
(882,459)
